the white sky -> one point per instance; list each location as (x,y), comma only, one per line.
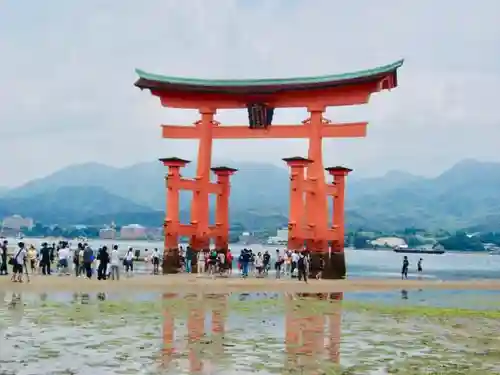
(67,74)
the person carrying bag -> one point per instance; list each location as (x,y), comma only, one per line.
(17,263)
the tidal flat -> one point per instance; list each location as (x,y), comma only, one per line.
(250,333)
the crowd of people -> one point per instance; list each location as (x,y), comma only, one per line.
(286,263)
(83,261)
(104,263)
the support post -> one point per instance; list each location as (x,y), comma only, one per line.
(335,266)
(339,177)
(316,201)
(200,205)
(171,261)
(297,166)
(222,207)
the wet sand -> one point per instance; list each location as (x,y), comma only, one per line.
(181,283)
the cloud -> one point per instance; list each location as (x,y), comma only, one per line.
(67,74)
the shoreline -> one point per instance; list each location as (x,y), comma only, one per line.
(190,283)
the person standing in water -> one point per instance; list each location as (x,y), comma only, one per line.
(18,263)
(321,267)
(229,262)
(294,261)
(155,258)
(103,258)
(303,267)
(404,270)
(201,262)
(3,258)
(76,260)
(32,258)
(129,262)
(88,258)
(63,254)
(115,263)
(419,267)
(267,261)
(259,264)
(45,259)
(278,263)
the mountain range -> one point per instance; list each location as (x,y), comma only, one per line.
(467,195)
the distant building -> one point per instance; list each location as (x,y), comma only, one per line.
(133,232)
(107,233)
(389,242)
(281,237)
(246,238)
(17,222)
(282,234)
(154,233)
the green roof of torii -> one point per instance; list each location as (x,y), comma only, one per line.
(179,81)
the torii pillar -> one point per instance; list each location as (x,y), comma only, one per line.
(303,227)
(335,266)
(222,207)
(297,209)
(171,226)
(199,232)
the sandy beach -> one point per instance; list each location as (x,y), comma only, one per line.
(187,283)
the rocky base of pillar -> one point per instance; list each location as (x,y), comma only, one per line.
(334,265)
(171,261)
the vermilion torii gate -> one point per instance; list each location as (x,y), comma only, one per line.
(309,224)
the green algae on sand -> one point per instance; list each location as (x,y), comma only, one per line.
(376,338)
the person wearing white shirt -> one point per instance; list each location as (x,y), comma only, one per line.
(155,258)
(295,260)
(115,263)
(129,261)
(81,264)
(259,264)
(201,262)
(63,255)
(18,263)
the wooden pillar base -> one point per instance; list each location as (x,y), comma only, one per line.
(194,262)
(334,265)
(171,261)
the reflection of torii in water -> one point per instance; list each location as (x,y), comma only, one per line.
(305,334)
(195,326)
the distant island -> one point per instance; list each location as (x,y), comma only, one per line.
(419,238)
(412,237)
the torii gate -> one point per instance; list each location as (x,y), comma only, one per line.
(261,97)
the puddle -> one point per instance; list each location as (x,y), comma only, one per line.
(426,332)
